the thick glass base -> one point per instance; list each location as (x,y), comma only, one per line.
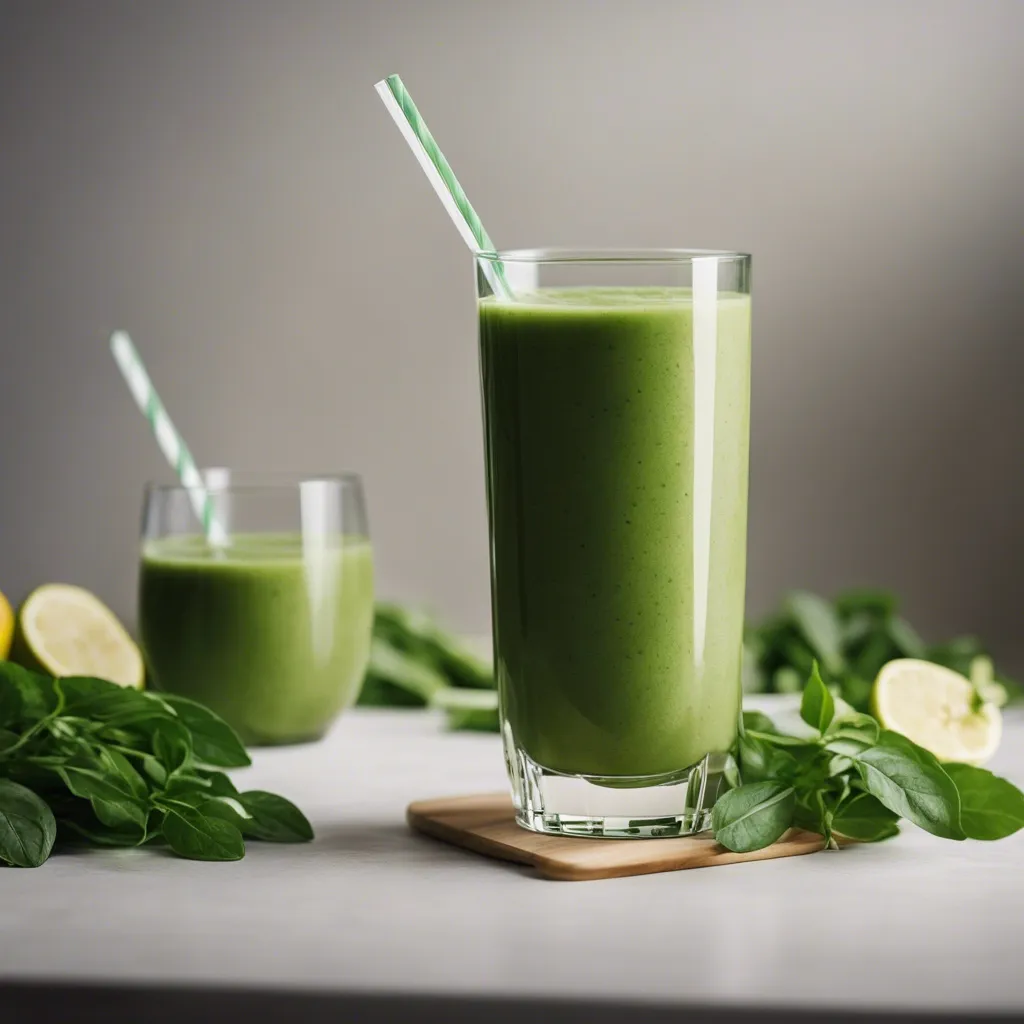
(618,807)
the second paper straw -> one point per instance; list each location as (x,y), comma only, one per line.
(171,443)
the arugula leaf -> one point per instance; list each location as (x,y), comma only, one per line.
(27,826)
(753,816)
(273,818)
(817,708)
(865,818)
(910,782)
(990,807)
(214,742)
(191,833)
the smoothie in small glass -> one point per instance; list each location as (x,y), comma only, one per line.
(271,629)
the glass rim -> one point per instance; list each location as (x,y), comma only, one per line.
(568,255)
(254,481)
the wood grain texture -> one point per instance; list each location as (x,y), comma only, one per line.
(485,823)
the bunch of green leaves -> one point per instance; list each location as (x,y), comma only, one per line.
(850,778)
(82,759)
(851,638)
(415,662)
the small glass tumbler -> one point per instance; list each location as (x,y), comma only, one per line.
(616,397)
(269,623)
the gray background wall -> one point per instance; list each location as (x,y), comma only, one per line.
(220,179)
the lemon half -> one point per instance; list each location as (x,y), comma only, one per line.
(67,631)
(934,706)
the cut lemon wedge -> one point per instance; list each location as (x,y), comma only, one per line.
(67,631)
(936,708)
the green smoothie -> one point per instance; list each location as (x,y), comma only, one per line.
(273,637)
(617,440)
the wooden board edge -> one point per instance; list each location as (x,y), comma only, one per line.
(794,844)
(420,822)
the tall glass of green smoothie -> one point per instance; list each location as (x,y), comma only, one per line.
(616,397)
(268,622)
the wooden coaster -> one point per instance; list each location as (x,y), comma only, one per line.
(485,823)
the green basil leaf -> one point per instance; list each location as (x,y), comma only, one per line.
(172,743)
(191,833)
(820,627)
(119,814)
(36,691)
(753,817)
(274,818)
(990,807)
(219,783)
(757,721)
(27,826)
(911,783)
(781,739)
(839,765)
(10,702)
(114,761)
(817,708)
(759,761)
(852,736)
(106,787)
(7,740)
(214,742)
(154,769)
(103,701)
(227,808)
(127,835)
(863,817)
(854,724)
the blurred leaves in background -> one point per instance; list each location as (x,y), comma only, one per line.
(851,638)
(415,662)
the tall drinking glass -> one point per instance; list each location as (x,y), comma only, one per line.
(272,629)
(616,395)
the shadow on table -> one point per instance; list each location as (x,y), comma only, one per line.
(43,1002)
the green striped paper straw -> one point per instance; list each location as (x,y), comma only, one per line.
(171,443)
(440,174)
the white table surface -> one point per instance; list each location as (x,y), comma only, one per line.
(915,923)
